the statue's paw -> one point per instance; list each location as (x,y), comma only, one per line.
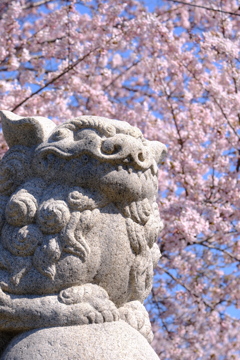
(106,308)
(94,303)
(81,293)
(135,314)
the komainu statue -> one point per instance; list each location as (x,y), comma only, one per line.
(79,224)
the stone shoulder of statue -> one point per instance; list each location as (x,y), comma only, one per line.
(79,223)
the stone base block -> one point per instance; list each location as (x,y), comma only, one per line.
(108,341)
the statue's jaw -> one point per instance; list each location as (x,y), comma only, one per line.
(125,183)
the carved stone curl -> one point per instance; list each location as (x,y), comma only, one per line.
(79,223)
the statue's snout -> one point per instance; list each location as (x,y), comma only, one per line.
(133,151)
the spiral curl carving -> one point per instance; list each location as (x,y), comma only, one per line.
(21,209)
(21,241)
(52,216)
(80,199)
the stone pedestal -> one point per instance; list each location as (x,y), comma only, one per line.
(108,341)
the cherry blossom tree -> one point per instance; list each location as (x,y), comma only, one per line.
(173,71)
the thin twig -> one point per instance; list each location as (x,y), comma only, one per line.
(226,118)
(204,7)
(121,74)
(219,249)
(186,287)
(36,4)
(65,71)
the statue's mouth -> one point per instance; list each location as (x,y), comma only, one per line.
(144,182)
(147,174)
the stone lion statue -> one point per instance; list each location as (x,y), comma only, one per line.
(79,224)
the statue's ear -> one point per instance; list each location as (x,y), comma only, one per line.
(27,131)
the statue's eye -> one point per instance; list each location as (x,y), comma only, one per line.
(60,134)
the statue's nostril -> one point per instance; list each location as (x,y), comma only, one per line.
(140,156)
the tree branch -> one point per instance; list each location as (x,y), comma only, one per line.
(186,288)
(65,71)
(36,4)
(219,249)
(226,118)
(121,74)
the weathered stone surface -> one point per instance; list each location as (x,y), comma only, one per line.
(79,221)
(108,341)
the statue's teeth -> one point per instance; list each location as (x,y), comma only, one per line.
(130,170)
(154,169)
(120,168)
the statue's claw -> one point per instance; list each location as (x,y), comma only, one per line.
(97,308)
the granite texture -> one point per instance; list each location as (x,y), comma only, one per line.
(108,341)
(79,223)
